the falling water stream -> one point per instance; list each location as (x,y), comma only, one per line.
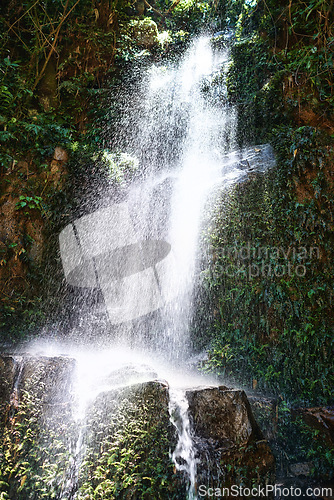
(184,455)
(183,135)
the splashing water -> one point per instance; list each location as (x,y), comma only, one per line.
(142,253)
(184,455)
(199,170)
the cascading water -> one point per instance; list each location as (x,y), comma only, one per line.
(209,135)
(184,455)
(142,252)
(14,399)
(166,206)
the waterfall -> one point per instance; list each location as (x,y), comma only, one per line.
(102,404)
(141,252)
(209,134)
(176,105)
(14,397)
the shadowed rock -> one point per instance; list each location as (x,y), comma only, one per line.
(7,377)
(230,446)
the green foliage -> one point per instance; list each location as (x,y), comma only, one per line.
(274,331)
(317,450)
(193,16)
(274,321)
(132,458)
(282,68)
(33,454)
(119,165)
(271,328)
(25,132)
(53,58)
(126,439)
(29,202)
(254,85)
(299,38)
(312,448)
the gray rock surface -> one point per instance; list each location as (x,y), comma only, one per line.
(230,446)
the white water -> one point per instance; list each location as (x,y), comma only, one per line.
(142,252)
(184,139)
(199,170)
(184,455)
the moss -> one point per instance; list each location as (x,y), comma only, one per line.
(35,441)
(270,281)
(254,86)
(128,452)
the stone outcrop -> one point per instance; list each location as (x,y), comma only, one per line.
(231,448)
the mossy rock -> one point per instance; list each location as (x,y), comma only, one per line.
(128,440)
(145,32)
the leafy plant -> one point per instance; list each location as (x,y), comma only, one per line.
(32,202)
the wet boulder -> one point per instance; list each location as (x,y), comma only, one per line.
(230,446)
(127,440)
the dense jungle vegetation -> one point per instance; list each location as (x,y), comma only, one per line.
(281,81)
(271,280)
(59,63)
(272,331)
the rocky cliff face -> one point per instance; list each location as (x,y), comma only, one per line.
(122,447)
(25,224)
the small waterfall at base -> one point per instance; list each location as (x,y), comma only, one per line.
(14,397)
(184,455)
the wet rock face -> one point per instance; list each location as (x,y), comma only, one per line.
(128,438)
(7,374)
(230,446)
(49,379)
(125,439)
(37,431)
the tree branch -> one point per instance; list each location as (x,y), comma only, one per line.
(64,17)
